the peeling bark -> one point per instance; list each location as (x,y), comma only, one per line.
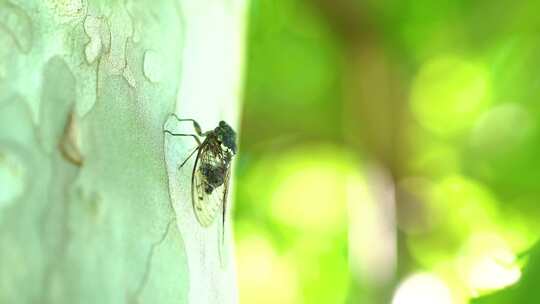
(93,208)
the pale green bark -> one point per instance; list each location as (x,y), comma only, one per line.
(92,206)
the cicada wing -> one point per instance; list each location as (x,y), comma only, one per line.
(205,205)
(222,249)
(224,200)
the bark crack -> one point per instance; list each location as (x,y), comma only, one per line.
(135,296)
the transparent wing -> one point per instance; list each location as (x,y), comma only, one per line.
(224,199)
(206,205)
(222,250)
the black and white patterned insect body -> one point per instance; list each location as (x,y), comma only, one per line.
(212,170)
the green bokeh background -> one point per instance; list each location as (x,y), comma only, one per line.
(425,115)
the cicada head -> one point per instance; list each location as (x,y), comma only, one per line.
(226,136)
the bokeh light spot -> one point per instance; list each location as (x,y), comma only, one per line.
(492,135)
(488,263)
(448,94)
(423,289)
(468,203)
(264,276)
(311,195)
(455,207)
(301,210)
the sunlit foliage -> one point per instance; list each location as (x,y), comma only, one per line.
(450,216)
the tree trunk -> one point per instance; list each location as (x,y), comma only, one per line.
(93,207)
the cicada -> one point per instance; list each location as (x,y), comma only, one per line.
(211,173)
